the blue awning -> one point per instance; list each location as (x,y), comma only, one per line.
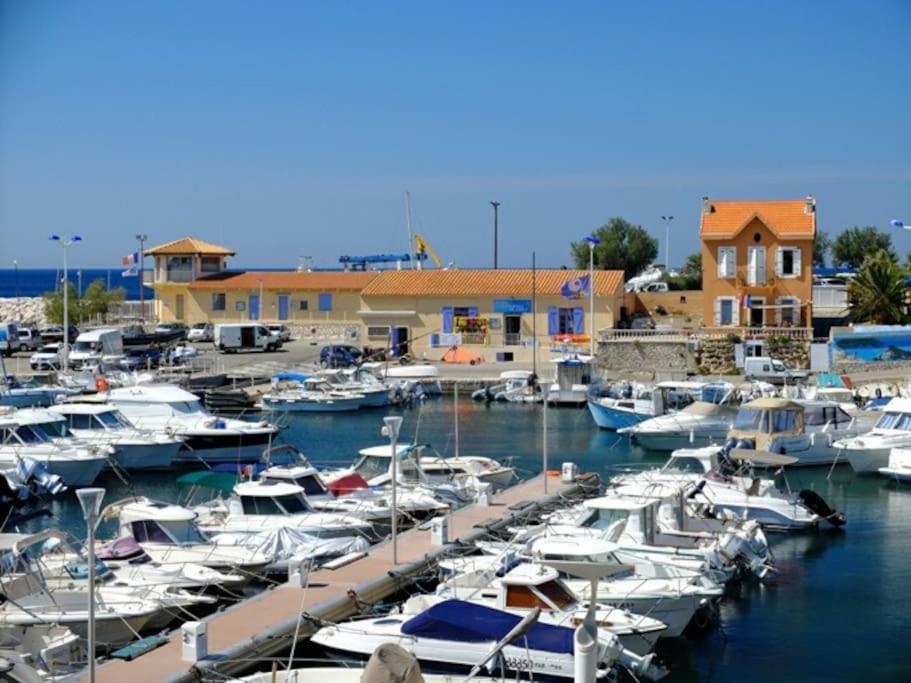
(467,622)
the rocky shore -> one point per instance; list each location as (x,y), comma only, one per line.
(23,310)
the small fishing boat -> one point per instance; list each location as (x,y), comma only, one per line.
(626,411)
(293,392)
(573,379)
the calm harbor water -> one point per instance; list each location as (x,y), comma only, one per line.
(839,610)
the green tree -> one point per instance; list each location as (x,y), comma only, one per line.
(624,246)
(876,294)
(53,305)
(853,245)
(689,277)
(95,301)
(821,247)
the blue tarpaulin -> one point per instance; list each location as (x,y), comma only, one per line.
(467,622)
(290,376)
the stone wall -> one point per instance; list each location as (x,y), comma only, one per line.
(794,353)
(643,358)
(23,310)
(716,356)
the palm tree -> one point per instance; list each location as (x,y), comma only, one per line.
(877,291)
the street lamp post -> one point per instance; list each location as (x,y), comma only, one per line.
(16,276)
(66,243)
(592,243)
(142,237)
(262,304)
(90,500)
(393,424)
(667,241)
(496,230)
(546,392)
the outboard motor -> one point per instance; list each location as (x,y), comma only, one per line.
(815,503)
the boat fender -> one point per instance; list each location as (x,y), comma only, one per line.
(816,504)
(101,384)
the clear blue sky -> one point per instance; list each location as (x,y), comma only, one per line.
(290,128)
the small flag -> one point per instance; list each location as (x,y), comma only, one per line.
(747,301)
(130,259)
(129,272)
(573,289)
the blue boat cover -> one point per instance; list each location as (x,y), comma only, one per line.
(467,622)
(290,376)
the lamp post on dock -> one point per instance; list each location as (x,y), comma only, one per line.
(496,230)
(142,237)
(393,424)
(667,242)
(592,243)
(90,500)
(16,275)
(66,243)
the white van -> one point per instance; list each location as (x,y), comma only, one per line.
(245,337)
(103,345)
(770,370)
(9,338)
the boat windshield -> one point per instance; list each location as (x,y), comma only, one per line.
(27,434)
(187,407)
(899,421)
(784,421)
(111,419)
(684,465)
(529,597)
(603,519)
(293,503)
(751,420)
(371,466)
(279,505)
(184,532)
(168,533)
(311,484)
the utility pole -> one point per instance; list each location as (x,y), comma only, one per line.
(496,230)
(18,304)
(66,243)
(142,237)
(667,242)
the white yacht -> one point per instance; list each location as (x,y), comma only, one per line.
(806,430)
(573,378)
(296,393)
(645,403)
(134,449)
(515,386)
(698,424)
(869,452)
(38,435)
(207,438)
(359,381)
(899,466)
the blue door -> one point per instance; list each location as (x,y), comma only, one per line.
(282,306)
(394,339)
(253,307)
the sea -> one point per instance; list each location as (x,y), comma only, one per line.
(33,282)
(838,609)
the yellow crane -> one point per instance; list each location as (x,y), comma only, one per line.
(422,247)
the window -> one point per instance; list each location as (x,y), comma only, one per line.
(565,321)
(210,264)
(378,332)
(218,301)
(524,596)
(311,485)
(727,262)
(788,262)
(784,421)
(78,421)
(325,302)
(727,311)
(750,420)
(756,266)
(304,305)
(292,504)
(788,311)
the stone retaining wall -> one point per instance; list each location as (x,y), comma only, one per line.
(653,357)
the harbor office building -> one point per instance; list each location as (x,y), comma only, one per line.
(494,313)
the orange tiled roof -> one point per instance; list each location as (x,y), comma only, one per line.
(485,282)
(189,245)
(785,218)
(293,279)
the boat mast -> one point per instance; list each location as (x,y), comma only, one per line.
(455,401)
(411,250)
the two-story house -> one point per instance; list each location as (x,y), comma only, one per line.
(757,262)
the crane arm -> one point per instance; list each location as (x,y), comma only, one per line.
(422,247)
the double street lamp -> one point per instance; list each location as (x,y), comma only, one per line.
(90,500)
(66,243)
(392,425)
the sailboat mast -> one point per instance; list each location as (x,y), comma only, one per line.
(411,251)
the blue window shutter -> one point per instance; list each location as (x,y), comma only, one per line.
(553,321)
(447,319)
(472,311)
(578,321)
(325,302)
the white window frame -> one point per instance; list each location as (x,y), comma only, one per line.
(735,311)
(791,302)
(779,262)
(727,263)
(753,274)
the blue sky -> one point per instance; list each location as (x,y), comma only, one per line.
(291,128)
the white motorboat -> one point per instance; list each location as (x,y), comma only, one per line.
(899,467)
(806,430)
(458,634)
(358,381)
(40,652)
(869,452)
(643,403)
(515,386)
(169,534)
(573,378)
(24,435)
(698,424)
(296,393)
(134,449)
(210,439)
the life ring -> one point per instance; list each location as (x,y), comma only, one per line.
(101,384)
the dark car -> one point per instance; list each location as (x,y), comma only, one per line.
(178,330)
(140,358)
(337,357)
(54,333)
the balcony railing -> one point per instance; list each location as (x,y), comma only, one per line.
(685,333)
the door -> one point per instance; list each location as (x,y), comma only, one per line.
(512,330)
(179,306)
(282,306)
(757,311)
(756,265)
(253,307)
(400,344)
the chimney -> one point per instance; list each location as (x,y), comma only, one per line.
(707,206)
(810,205)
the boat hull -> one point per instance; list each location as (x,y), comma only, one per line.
(672,441)
(867,460)
(607,417)
(146,456)
(226,447)
(304,406)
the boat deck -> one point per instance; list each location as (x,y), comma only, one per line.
(254,616)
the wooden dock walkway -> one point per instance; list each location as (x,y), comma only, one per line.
(326,597)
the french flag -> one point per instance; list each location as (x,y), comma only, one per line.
(130,259)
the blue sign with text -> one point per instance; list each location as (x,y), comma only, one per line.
(512,305)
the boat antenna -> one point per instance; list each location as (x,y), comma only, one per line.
(534,318)
(411,249)
(455,402)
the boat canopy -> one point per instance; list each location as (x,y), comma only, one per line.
(467,622)
(217,481)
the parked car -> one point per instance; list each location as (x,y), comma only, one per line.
(54,333)
(47,357)
(165,328)
(201,332)
(282,331)
(140,358)
(230,338)
(337,357)
(770,370)
(9,338)
(29,339)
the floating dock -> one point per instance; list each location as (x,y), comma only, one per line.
(265,625)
